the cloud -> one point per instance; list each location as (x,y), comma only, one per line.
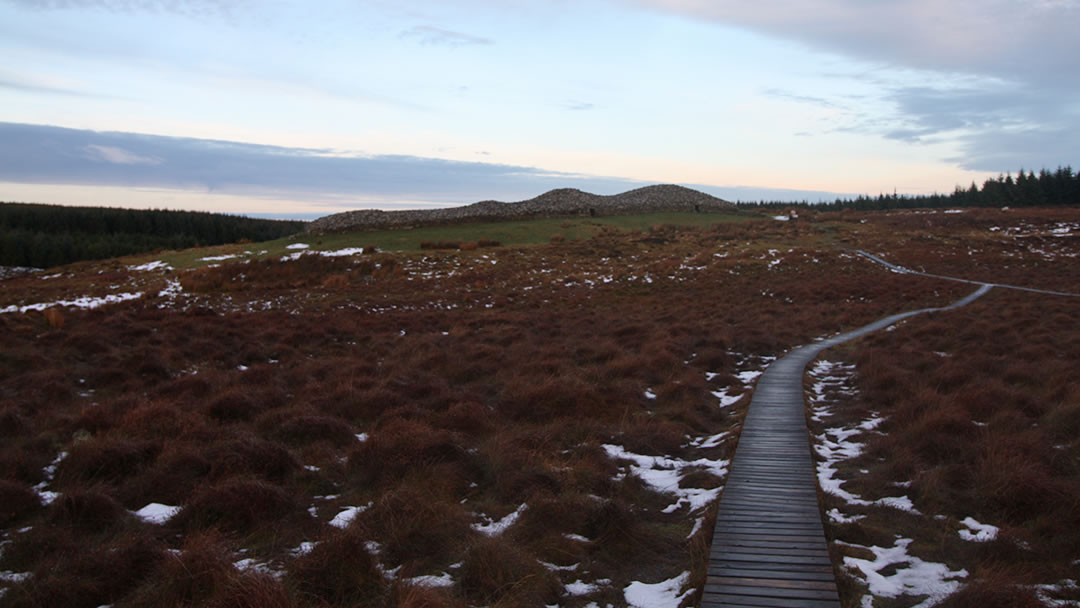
(437,36)
(23,86)
(578,106)
(42,154)
(998,37)
(810,99)
(118,156)
(189,8)
(1014,61)
(39,154)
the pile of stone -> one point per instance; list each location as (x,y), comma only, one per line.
(564,202)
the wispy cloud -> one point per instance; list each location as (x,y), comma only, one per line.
(54,155)
(1013,56)
(437,36)
(810,99)
(189,8)
(118,156)
(578,106)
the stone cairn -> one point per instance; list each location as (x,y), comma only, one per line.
(564,202)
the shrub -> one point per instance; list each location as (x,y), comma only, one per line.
(304,429)
(236,505)
(251,456)
(90,575)
(234,405)
(87,510)
(339,570)
(12,422)
(420,525)
(16,501)
(495,571)
(189,577)
(105,460)
(399,446)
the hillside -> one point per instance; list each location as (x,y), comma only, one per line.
(312,424)
(555,203)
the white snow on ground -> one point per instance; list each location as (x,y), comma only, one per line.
(1046,594)
(662,474)
(219,258)
(837,517)
(835,445)
(155,265)
(977,532)
(909,574)
(748,377)
(172,289)
(85,302)
(495,528)
(156,513)
(49,472)
(337,253)
(664,594)
(582,588)
(649,394)
(251,565)
(361,436)
(303,549)
(345,517)
(726,399)
(298,246)
(429,580)
(711,441)
(8,576)
(953,211)
(781,218)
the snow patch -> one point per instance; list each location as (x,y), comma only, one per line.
(910,575)
(155,265)
(495,528)
(85,303)
(298,246)
(429,580)
(345,517)
(156,513)
(977,532)
(664,594)
(662,474)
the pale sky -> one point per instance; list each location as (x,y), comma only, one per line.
(303,109)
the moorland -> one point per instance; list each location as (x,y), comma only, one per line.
(537,413)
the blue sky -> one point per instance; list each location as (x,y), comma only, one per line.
(304,109)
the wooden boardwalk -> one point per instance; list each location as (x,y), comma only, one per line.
(769,546)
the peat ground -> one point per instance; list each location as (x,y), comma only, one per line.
(522,425)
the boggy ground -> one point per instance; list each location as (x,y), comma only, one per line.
(505,426)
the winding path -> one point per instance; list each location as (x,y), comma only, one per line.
(769,547)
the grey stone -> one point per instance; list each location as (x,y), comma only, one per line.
(556,203)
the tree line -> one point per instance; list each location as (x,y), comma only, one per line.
(1027,189)
(41,236)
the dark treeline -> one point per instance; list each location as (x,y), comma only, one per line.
(41,236)
(1027,189)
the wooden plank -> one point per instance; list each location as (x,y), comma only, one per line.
(774,591)
(826,578)
(771,583)
(727,600)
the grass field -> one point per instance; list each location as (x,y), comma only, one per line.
(511,233)
(536,423)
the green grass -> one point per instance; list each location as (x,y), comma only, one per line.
(514,233)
